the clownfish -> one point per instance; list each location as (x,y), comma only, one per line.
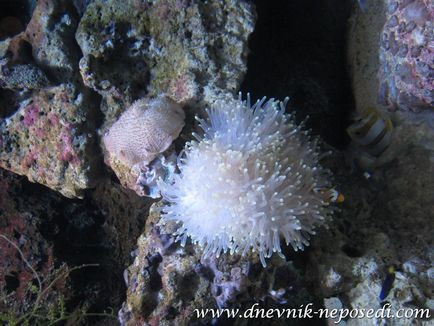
(330,195)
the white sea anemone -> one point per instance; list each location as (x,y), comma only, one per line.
(250,180)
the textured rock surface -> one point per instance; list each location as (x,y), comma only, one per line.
(162,285)
(391,55)
(386,220)
(167,282)
(21,76)
(363,52)
(46,139)
(47,126)
(51,34)
(406,56)
(187,49)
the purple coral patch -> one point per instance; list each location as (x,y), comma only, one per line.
(65,146)
(407,56)
(31,114)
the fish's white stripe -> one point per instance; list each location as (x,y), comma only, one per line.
(379,148)
(376,129)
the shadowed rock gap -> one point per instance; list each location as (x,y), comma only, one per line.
(298,50)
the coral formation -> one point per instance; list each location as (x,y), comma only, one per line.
(253,175)
(162,291)
(51,33)
(48,117)
(144,130)
(186,49)
(390,54)
(167,282)
(46,140)
(122,51)
(406,56)
(21,76)
(134,143)
(161,167)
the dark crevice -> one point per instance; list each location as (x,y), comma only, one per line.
(351,251)
(298,49)
(8,103)
(14,16)
(12,283)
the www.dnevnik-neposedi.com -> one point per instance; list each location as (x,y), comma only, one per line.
(307,312)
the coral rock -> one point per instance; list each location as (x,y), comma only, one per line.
(186,49)
(406,56)
(391,55)
(51,33)
(47,129)
(21,76)
(47,140)
(167,282)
